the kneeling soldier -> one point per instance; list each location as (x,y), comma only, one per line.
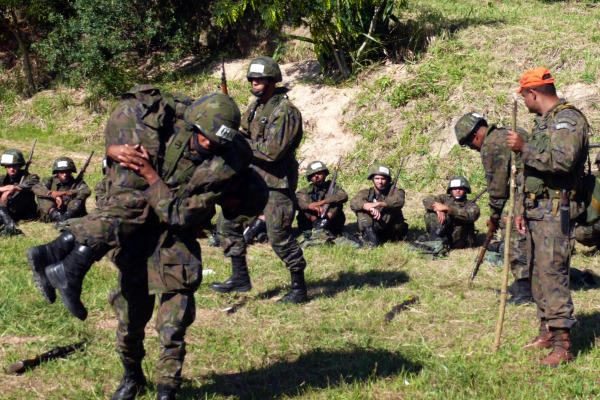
(60,197)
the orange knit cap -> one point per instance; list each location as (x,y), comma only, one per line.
(535,77)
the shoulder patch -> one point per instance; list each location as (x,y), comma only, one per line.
(565,125)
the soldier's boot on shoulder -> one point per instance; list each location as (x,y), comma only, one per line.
(254,228)
(298,294)
(39,257)
(10,227)
(543,340)
(55,215)
(370,237)
(561,349)
(133,383)
(239,281)
(522,293)
(166,392)
(67,276)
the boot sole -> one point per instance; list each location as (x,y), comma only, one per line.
(240,289)
(57,278)
(39,276)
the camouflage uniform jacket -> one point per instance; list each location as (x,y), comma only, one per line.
(80,193)
(22,205)
(180,206)
(312,193)
(394,202)
(554,158)
(461,211)
(274,137)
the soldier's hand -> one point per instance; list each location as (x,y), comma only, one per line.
(515,142)
(139,162)
(492,224)
(59,202)
(441,217)
(520,224)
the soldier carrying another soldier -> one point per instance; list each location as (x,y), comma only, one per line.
(60,197)
(17,201)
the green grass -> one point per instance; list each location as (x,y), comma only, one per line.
(337,346)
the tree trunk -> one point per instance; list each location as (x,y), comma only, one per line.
(14,28)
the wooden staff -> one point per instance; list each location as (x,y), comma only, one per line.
(509,222)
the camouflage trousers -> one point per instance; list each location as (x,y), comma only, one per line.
(387,227)
(459,236)
(588,235)
(335,225)
(133,307)
(45,205)
(549,271)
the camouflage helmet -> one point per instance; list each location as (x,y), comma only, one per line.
(215,116)
(314,167)
(459,182)
(264,67)
(466,126)
(597,158)
(63,164)
(377,169)
(12,157)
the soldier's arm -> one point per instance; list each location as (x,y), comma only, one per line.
(395,199)
(281,135)
(468,214)
(429,200)
(567,135)
(42,188)
(496,164)
(303,198)
(29,182)
(357,202)
(82,191)
(339,196)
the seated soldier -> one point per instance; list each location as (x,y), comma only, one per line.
(379,209)
(589,235)
(316,210)
(450,218)
(17,201)
(61,197)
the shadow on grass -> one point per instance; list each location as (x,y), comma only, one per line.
(318,369)
(587,330)
(353,280)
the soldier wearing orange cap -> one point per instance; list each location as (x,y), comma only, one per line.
(553,158)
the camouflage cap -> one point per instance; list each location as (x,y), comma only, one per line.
(264,67)
(377,169)
(63,164)
(12,157)
(458,182)
(466,125)
(215,116)
(314,167)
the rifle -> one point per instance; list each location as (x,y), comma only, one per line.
(26,169)
(223,77)
(488,238)
(400,307)
(331,189)
(79,177)
(395,182)
(59,352)
(477,196)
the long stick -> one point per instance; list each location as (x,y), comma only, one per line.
(509,222)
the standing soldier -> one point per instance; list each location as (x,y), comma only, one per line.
(312,202)
(449,217)
(273,128)
(379,209)
(60,197)
(472,130)
(17,201)
(554,160)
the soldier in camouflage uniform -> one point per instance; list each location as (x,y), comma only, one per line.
(554,158)
(17,201)
(450,217)
(472,130)
(589,235)
(60,197)
(273,128)
(379,209)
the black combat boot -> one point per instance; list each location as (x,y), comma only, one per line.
(257,226)
(239,281)
(522,293)
(132,384)
(10,228)
(166,392)
(370,237)
(39,257)
(298,293)
(67,276)
(67,215)
(55,215)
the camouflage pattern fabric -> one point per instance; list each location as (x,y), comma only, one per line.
(75,203)
(279,214)
(312,193)
(391,225)
(588,235)
(460,221)
(553,158)
(21,205)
